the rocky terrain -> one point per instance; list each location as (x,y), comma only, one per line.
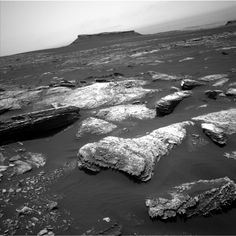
(120,133)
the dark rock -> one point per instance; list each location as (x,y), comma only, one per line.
(37,123)
(167,104)
(198,198)
(213,93)
(216,134)
(188,84)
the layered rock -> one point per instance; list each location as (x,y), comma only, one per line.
(216,134)
(100,94)
(198,198)
(188,84)
(37,123)
(123,112)
(135,156)
(95,126)
(225,120)
(167,104)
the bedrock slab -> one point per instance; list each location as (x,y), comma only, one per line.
(135,156)
(225,119)
(124,112)
(96,126)
(199,198)
(100,94)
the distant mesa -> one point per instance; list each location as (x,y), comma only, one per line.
(231,22)
(106,36)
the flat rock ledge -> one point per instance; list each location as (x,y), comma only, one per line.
(216,134)
(36,123)
(129,111)
(167,104)
(135,156)
(199,198)
(225,119)
(96,126)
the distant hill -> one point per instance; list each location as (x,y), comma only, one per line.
(105,36)
(231,22)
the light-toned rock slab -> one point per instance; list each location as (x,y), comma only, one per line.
(129,111)
(135,156)
(96,126)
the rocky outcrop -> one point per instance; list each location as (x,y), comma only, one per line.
(95,126)
(231,92)
(198,198)
(135,156)
(225,120)
(36,123)
(216,134)
(100,94)
(209,78)
(161,76)
(188,84)
(167,104)
(123,112)
(221,82)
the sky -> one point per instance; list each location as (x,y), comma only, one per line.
(33,25)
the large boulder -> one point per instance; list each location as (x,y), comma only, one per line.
(96,126)
(188,84)
(135,156)
(36,123)
(225,120)
(198,198)
(129,111)
(167,104)
(216,134)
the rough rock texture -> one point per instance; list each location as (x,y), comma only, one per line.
(231,92)
(216,134)
(225,120)
(135,156)
(214,77)
(231,155)
(37,122)
(167,104)
(188,84)
(123,112)
(202,197)
(100,94)
(95,126)
(213,94)
(27,161)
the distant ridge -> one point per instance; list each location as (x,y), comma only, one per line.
(106,36)
(231,22)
